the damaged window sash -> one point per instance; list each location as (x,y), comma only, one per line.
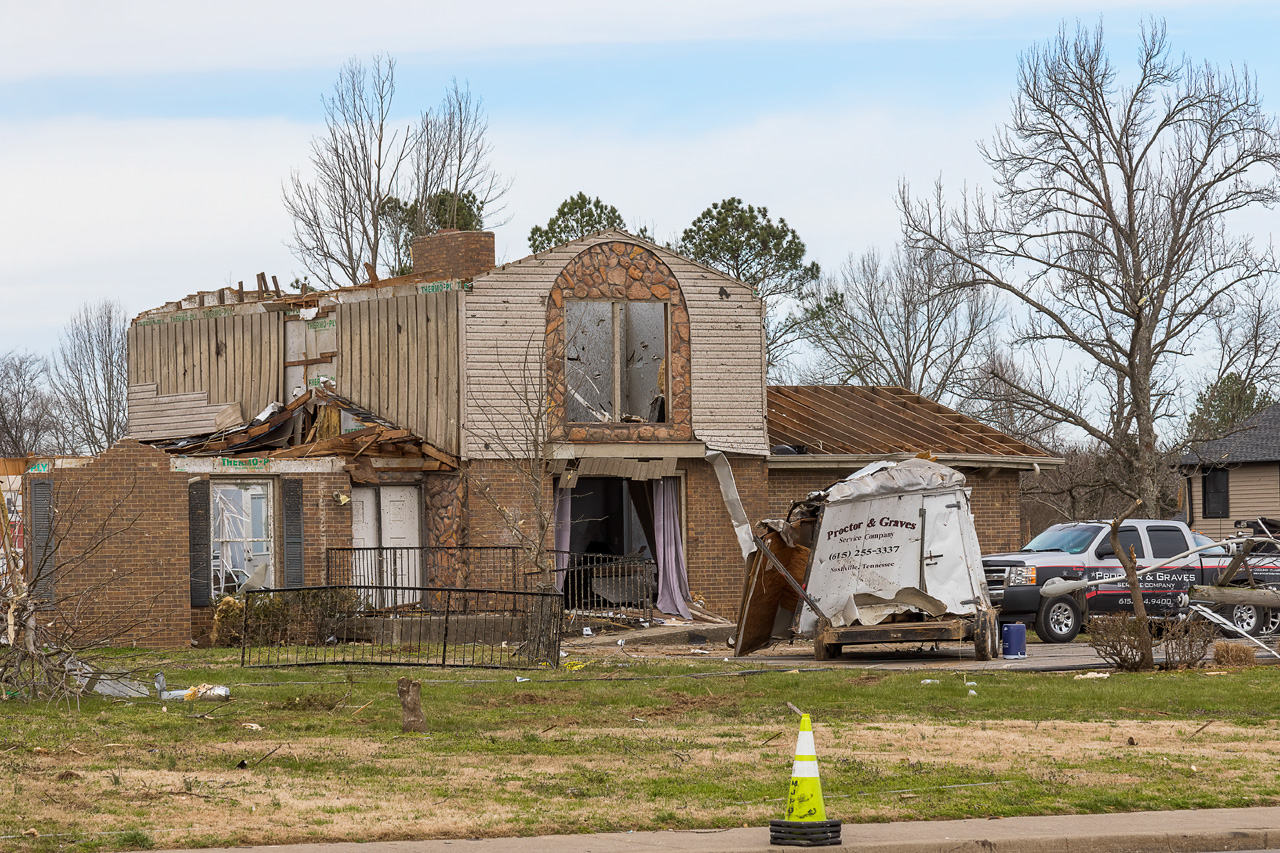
(242,540)
(616,361)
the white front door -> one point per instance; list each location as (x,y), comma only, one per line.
(401,534)
(364,517)
(387,521)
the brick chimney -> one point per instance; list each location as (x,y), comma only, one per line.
(449,255)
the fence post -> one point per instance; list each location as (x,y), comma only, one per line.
(244,629)
(444,643)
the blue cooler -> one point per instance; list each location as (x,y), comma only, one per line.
(1014,640)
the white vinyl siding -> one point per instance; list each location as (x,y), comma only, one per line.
(506,323)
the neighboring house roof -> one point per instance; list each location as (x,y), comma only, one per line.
(1256,440)
(868,420)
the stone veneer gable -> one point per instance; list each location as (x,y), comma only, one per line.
(619,271)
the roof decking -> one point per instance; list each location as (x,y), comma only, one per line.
(848,420)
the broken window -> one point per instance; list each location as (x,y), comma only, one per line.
(242,546)
(615,361)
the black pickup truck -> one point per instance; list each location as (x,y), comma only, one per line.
(1082,551)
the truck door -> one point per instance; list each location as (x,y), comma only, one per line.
(1113,596)
(1161,588)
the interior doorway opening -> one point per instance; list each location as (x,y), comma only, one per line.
(620,540)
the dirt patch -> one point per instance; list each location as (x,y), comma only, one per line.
(526,699)
(683,704)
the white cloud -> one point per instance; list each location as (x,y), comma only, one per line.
(832,174)
(140,211)
(148,36)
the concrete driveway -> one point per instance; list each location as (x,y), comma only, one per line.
(711,642)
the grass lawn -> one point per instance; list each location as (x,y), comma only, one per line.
(610,746)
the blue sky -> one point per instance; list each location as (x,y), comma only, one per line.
(143,145)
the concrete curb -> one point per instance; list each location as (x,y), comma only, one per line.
(1142,832)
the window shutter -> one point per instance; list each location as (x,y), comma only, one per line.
(1217,495)
(41,547)
(292,491)
(199,532)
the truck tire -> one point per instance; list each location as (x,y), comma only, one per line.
(1250,618)
(1058,620)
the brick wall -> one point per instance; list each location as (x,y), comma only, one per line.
(997,510)
(121,533)
(501,507)
(325,524)
(715,565)
(123,545)
(449,255)
(996,500)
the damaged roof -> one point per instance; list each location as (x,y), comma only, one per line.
(301,430)
(875,420)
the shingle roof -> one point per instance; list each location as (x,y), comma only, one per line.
(869,419)
(1256,440)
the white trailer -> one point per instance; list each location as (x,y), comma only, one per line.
(888,554)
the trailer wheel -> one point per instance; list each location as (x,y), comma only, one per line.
(1058,620)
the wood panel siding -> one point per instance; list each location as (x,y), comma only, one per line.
(1253,490)
(506,324)
(398,357)
(229,359)
(176,415)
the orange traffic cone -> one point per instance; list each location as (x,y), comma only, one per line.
(806,823)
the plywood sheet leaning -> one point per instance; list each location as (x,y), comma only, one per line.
(767,598)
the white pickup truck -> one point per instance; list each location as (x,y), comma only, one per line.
(1082,551)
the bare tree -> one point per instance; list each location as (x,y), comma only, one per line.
(743,241)
(454,182)
(895,322)
(90,377)
(357,162)
(28,420)
(376,183)
(1108,226)
(986,397)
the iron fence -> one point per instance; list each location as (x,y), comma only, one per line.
(496,567)
(604,588)
(427,626)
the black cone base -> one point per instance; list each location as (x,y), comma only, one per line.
(804,833)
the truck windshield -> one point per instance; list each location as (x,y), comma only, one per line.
(1071,538)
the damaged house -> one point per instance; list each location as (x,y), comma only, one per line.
(604,399)
(273,437)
